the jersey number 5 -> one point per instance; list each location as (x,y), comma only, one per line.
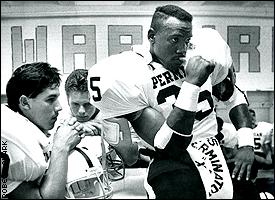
(95,89)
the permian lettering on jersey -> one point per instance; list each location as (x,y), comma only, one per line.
(165,78)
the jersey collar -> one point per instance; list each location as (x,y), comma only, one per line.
(144,51)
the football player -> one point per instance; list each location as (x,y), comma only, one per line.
(115,131)
(166,92)
(263,153)
(36,168)
(262,139)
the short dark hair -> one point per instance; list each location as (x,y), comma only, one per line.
(77,81)
(30,80)
(164,12)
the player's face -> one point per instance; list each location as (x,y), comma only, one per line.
(171,42)
(80,106)
(44,108)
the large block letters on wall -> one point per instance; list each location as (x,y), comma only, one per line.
(79,45)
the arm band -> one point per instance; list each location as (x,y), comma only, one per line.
(164,135)
(245,137)
(188,97)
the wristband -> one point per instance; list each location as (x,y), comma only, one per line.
(188,97)
(164,135)
(245,137)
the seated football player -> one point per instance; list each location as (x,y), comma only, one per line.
(116,131)
(33,165)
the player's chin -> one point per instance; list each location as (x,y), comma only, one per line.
(49,126)
(174,66)
(51,123)
(82,119)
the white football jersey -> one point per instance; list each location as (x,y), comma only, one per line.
(118,82)
(262,133)
(130,81)
(230,138)
(27,147)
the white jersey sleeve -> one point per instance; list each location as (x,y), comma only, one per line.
(26,148)
(117,84)
(229,132)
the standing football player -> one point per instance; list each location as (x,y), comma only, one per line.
(166,92)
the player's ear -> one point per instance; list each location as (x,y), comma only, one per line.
(24,102)
(151,35)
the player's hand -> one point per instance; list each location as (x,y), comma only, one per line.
(92,128)
(243,161)
(198,70)
(68,134)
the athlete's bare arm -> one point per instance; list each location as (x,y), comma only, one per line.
(52,185)
(126,148)
(148,122)
(244,157)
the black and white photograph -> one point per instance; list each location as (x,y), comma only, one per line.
(137,100)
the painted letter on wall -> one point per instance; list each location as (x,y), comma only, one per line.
(245,39)
(79,45)
(17,46)
(122,37)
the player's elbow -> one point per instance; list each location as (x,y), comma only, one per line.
(128,153)
(131,160)
(240,117)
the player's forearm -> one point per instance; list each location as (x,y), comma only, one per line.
(239,115)
(147,123)
(176,132)
(133,154)
(181,121)
(182,117)
(241,119)
(53,184)
(266,161)
(179,124)
(125,148)
(128,152)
